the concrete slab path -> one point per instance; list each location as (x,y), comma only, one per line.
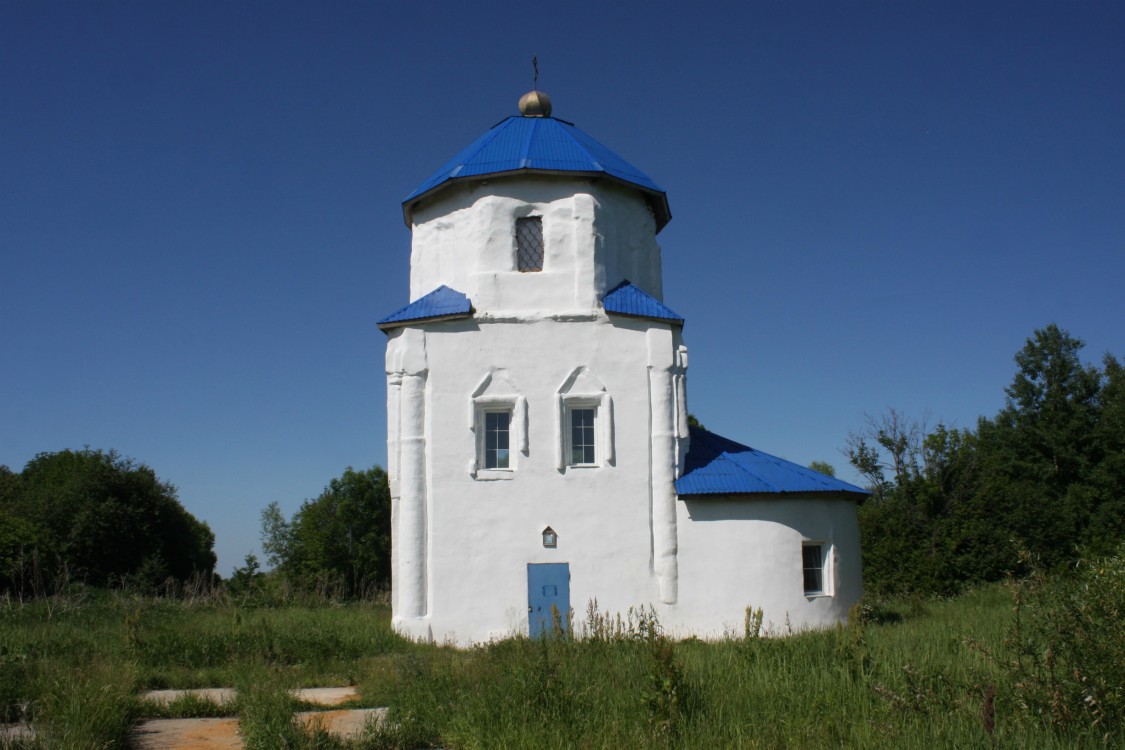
(325,696)
(187,734)
(346,723)
(222,733)
(10,733)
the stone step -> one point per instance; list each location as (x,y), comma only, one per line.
(222,734)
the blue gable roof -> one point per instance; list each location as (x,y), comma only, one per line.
(544,145)
(627,299)
(441,303)
(717,466)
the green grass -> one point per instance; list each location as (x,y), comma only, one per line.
(74,665)
(916,675)
(917,680)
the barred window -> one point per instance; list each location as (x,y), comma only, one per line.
(529,244)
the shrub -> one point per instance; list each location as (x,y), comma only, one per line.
(1068,646)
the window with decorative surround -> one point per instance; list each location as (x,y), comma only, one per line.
(498,421)
(584,412)
(529,244)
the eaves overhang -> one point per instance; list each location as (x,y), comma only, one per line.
(442,303)
(631,301)
(538,146)
(716,465)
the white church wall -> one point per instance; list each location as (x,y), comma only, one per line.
(594,237)
(538,343)
(746,551)
(484,530)
(700,562)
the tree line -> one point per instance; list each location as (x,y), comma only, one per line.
(94,517)
(1041,483)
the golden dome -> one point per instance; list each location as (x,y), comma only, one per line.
(535,104)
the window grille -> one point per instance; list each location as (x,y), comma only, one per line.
(529,244)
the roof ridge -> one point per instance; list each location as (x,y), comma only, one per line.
(528,142)
(724,456)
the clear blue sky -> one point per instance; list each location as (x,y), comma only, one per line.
(874,205)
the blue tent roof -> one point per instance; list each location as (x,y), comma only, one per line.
(542,145)
(441,303)
(717,466)
(627,299)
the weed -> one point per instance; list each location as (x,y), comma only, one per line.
(669,698)
(266,719)
(189,706)
(752,624)
(90,709)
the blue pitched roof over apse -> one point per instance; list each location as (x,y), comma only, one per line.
(440,304)
(522,144)
(717,466)
(627,299)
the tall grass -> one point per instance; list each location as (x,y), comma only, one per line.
(917,677)
(73,665)
(904,674)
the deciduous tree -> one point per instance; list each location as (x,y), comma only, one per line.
(1045,476)
(342,538)
(102,519)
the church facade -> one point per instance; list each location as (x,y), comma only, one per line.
(538,445)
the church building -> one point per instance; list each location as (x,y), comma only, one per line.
(538,444)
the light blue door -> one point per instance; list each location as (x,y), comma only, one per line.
(548,598)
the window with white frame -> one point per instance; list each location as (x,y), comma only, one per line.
(814,558)
(529,244)
(582,448)
(497,437)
